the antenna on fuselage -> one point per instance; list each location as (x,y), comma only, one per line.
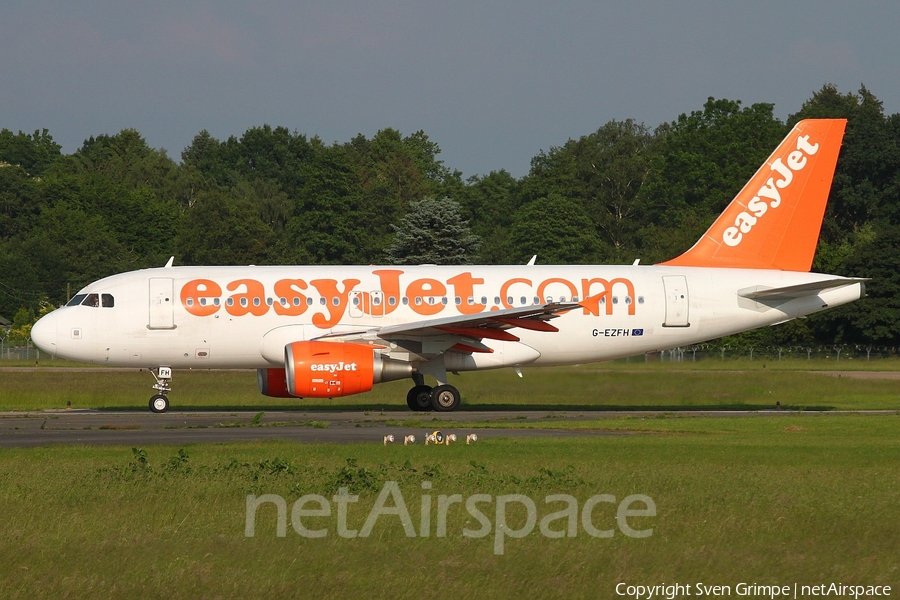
(171,260)
(532,261)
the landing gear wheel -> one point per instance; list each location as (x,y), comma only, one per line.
(419,398)
(159,403)
(445,398)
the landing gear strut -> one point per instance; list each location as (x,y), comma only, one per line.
(159,403)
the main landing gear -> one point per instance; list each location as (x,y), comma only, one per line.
(159,403)
(443,398)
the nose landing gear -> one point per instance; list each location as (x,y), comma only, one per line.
(159,403)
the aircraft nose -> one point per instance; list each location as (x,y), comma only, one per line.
(43,334)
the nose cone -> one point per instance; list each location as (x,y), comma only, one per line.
(43,334)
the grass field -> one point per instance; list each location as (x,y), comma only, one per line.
(664,386)
(797,499)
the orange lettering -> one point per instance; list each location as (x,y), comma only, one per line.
(591,303)
(422,289)
(464,287)
(253,301)
(573,291)
(504,290)
(390,287)
(194,290)
(289,289)
(335,301)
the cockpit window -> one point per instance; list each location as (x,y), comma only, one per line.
(76,299)
(91,300)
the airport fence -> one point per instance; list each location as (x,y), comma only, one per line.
(696,353)
(713,352)
(17,352)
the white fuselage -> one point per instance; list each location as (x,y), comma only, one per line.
(242,317)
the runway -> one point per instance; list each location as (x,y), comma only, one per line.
(90,427)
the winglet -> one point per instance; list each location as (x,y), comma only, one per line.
(774,222)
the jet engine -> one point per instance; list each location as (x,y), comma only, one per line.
(328,370)
(272,383)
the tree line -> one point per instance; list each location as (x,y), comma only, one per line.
(276,196)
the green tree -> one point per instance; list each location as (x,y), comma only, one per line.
(606,171)
(704,160)
(433,232)
(35,153)
(557,229)
(489,204)
(221,229)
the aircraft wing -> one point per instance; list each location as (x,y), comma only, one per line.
(462,333)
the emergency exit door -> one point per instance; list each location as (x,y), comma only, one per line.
(676,301)
(162,304)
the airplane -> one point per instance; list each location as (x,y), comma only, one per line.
(332,331)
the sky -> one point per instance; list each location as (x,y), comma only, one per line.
(493,83)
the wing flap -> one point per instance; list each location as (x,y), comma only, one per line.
(461,333)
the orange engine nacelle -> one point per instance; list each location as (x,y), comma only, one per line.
(332,369)
(273,383)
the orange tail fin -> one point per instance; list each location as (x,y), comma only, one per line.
(774,222)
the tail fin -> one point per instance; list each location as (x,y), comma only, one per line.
(774,222)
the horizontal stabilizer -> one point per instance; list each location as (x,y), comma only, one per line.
(796,291)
